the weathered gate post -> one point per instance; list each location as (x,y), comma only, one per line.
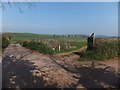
(59,48)
(90,42)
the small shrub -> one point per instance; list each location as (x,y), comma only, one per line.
(6,37)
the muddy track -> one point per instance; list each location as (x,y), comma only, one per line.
(24,68)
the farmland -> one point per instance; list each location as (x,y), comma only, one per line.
(66,43)
(53,44)
(42,37)
(59,61)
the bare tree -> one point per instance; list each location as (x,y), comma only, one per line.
(18,4)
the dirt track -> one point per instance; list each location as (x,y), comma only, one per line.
(23,68)
(78,50)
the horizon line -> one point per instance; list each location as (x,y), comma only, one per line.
(63,34)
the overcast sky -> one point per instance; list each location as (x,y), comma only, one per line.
(62,18)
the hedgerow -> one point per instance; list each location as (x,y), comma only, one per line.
(37,46)
(102,51)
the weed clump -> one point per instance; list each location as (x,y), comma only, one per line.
(37,46)
(6,37)
(102,50)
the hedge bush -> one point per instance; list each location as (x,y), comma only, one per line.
(37,46)
(6,37)
(102,51)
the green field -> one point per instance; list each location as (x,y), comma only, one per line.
(29,36)
(51,41)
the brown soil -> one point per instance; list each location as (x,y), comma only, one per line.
(24,68)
